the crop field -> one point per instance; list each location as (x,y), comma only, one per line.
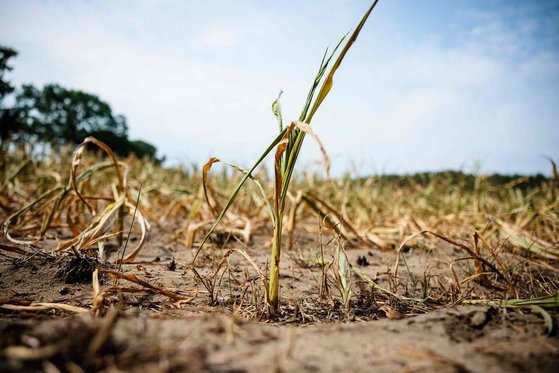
(431,271)
(113,263)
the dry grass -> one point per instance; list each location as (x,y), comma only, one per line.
(485,240)
(493,243)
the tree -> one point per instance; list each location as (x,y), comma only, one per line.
(144,149)
(61,115)
(5,54)
(8,116)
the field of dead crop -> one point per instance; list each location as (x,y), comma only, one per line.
(122,264)
(102,268)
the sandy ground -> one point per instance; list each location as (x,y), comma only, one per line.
(147,332)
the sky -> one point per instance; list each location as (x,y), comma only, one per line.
(428,86)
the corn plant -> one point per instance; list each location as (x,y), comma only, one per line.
(288,145)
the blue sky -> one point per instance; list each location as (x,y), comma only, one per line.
(429,85)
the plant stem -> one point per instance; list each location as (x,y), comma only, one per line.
(273,291)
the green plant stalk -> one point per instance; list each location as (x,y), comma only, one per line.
(285,162)
(288,160)
(273,291)
(287,165)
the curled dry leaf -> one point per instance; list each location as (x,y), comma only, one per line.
(205,170)
(305,127)
(77,159)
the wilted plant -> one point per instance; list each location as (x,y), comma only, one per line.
(60,202)
(288,145)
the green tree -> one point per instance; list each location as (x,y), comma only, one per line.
(61,115)
(8,116)
(5,54)
(144,149)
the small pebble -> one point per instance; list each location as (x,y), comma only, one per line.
(478,319)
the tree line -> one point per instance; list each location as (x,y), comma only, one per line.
(58,115)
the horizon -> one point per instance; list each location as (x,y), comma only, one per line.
(426,88)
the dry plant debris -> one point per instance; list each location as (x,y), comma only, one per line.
(380,248)
(391,261)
